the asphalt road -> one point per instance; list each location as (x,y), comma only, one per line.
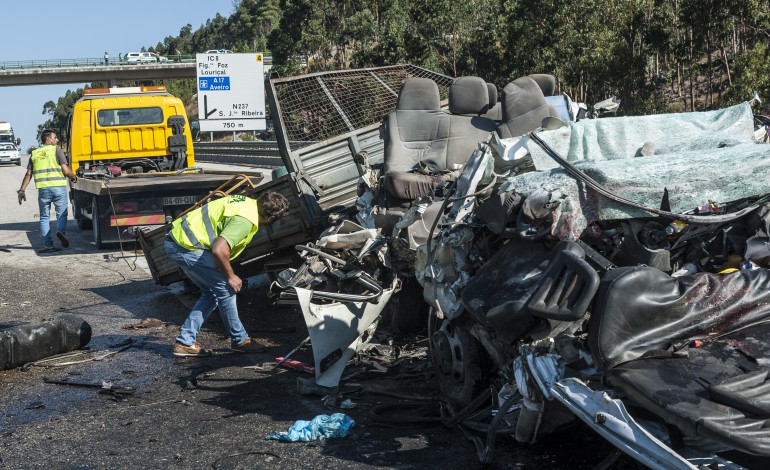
(199,413)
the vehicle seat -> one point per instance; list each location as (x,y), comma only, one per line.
(416,135)
(523,105)
(424,145)
(469,100)
(642,310)
(494,112)
(546,82)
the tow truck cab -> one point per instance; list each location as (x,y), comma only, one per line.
(128,129)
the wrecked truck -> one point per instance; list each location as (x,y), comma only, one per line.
(325,123)
(613,270)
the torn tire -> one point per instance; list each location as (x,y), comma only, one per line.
(20,345)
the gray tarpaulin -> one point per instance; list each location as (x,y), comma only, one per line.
(698,156)
(622,137)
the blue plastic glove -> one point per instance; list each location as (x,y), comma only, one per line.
(321,427)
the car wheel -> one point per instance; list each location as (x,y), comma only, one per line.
(456,357)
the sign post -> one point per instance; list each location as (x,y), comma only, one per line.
(231,92)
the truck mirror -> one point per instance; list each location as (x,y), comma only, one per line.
(18,141)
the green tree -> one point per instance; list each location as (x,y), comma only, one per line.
(58,114)
(252,22)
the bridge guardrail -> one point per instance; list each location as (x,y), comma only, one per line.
(96,62)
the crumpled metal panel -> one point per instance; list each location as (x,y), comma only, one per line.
(335,331)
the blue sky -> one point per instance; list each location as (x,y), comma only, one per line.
(46,29)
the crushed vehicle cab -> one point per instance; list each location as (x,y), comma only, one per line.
(611,270)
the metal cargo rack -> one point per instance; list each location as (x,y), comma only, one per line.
(336,115)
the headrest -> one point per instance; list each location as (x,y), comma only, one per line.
(419,94)
(547,83)
(521,96)
(492,89)
(468,95)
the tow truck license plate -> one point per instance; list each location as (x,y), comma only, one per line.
(179,200)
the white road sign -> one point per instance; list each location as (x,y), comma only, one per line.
(231,92)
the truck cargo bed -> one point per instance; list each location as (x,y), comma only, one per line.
(160,181)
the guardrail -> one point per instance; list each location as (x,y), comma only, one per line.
(259,153)
(97,62)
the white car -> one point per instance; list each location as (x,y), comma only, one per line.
(9,154)
(143,57)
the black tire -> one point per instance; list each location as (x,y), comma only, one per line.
(96,226)
(456,357)
(18,162)
(84,223)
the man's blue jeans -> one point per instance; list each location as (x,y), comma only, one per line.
(200,267)
(58,196)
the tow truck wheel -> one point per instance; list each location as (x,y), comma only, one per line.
(455,356)
(97,230)
(84,223)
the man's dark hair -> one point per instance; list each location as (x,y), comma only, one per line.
(272,206)
(46,134)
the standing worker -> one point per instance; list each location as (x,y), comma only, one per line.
(203,242)
(106,58)
(49,166)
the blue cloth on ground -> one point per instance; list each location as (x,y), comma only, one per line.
(321,427)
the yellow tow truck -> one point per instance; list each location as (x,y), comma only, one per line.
(132,150)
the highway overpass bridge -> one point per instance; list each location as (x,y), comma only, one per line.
(88,70)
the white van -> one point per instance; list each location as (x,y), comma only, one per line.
(142,57)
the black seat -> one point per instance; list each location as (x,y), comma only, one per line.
(642,334)
(523,105)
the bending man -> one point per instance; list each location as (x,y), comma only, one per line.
(202,243)
(49,166)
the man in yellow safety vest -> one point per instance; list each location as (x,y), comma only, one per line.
(203,242)
(48,165)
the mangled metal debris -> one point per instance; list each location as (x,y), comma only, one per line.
(616,267)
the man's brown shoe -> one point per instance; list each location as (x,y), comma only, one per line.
(249,346)
(194,350)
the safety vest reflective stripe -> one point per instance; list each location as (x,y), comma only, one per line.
(198,228)
(51,178)
(206,223)
(190,235)
(46,169)
(209,227)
